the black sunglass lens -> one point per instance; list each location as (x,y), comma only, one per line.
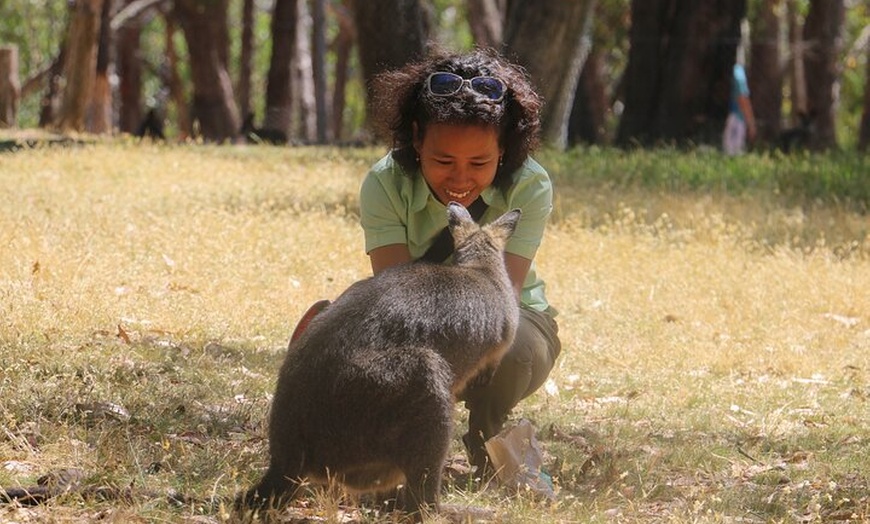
(488,87)
(444,83)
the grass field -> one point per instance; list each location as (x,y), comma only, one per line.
(714,313)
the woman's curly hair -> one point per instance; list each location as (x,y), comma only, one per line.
(400,100)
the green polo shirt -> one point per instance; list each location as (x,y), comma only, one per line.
(398,208)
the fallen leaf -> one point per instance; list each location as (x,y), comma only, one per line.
(122,334)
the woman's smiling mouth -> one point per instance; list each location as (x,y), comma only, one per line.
(457,195)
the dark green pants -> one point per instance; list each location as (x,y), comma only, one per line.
(521,372)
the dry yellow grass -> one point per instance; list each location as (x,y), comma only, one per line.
(716,363)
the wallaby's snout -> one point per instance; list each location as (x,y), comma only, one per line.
(365,395)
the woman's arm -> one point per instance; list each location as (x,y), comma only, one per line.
(517,269)
(388,256)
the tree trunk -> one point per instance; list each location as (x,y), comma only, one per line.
(318,35)
(389,42)
(551,38)
(486,20)
(79,69)
(246,58)
(50,103)
(343,44)
(303,77)
(765,71)
(822,29)
(172,80)
(864,131)
(278,88)
(100,113)
(678,78)
(204,23)
(129,67)
(799,102)
(10,86)
(590,103)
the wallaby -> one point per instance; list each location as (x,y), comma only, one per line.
(365,394)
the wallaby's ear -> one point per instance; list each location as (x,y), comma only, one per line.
(460,222)
(504,226)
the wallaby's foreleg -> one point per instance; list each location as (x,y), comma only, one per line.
(426,452)
(421,491)
(273,490)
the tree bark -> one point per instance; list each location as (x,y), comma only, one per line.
(204,23)
(129,67)
(864,131)
(278,88)
(79,69)
(100,112)
(342,47)
(172,79)
(486,20)
(386,44)
(50,103)
(590,103)
(318,36)
(246,58)
(765,71)
(799,102)
(678,78)
(304,101)
(551,38)
(822,29)
(10,86)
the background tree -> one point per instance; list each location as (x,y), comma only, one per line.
(765,68)
(864,128)
(486,21)
(10,86)
(822,36)
(99,114)
(591,115)
(318,61)
(204,23)
(302,76)
(551,38)
(342,46)
(278,90)
(130,75)
(679,70)
(384,46)
(80,65)
(171,78)
(246,58)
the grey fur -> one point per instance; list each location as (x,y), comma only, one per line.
(365,395)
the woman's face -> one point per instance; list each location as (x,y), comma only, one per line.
(458,161)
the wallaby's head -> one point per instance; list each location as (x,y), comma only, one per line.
(475,242)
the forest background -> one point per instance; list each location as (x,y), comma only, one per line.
(611,71)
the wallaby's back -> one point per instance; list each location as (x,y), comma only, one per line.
(366,393)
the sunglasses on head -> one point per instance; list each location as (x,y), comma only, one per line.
(448,84)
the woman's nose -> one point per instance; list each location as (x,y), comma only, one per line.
(459,173)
